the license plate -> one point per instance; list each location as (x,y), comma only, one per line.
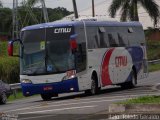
(47,88)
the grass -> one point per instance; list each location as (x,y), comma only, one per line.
(19,95)
(142,100)
(153,67)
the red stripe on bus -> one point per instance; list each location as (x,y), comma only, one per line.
(105,77)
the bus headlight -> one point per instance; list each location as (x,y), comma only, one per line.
(67,78)
(70,75)
(26,81)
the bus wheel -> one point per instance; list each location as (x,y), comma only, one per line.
(94,87)
(133,82)
(46,97)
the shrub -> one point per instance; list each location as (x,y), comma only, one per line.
(9,69)
(153,50)
(9,66)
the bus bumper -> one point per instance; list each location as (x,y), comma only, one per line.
(65,86)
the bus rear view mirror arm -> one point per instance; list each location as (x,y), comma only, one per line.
(11,48)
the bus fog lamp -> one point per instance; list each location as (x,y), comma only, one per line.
(71,89)
(26,81)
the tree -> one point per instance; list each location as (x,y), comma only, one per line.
(57,13)
(26,19)
(1,4)
(5,20)
(31,3)
(129,9)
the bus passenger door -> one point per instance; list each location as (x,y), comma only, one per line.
(81,58)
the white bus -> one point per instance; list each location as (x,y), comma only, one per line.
(73,56)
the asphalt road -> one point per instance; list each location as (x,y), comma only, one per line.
(77,105)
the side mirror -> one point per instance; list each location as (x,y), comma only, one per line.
(73,43)
(11,47)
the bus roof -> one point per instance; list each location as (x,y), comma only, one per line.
(78,23)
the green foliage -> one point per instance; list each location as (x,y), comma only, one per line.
(5,20)
(129,9)
(9,66)
(143,100)
(153,67)
(1,4)
(3,49)
(19,95)
(32,2)
(153,50)
(57,13)
(9,69)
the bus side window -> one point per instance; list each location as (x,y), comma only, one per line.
(136,37)
(81,57)
(121,41)
(103,43)
(112,41)
(80,53)
(92,38)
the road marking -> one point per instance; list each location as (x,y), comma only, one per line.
(54,110)
(74,100)
(67,104)
(92,100)
(44,116)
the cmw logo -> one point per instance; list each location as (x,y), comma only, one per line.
(62,30)
(121,61)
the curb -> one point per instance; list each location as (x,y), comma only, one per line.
(118,108)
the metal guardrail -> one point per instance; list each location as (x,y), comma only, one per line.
(15,86)
(154,61)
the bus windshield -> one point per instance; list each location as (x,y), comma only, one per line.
(46,52)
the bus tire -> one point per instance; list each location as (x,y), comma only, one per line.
(94,87)
(3,98)
(55,95)
(132,83)
(46,97)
